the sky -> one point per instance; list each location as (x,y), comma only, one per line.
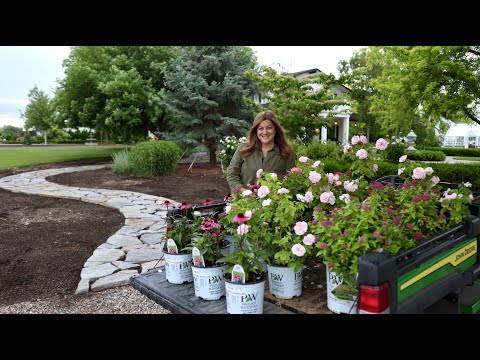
(23,67)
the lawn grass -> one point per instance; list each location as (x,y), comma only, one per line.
(467,158)
(12,157)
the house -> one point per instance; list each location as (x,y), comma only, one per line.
(343,119)
(462,135)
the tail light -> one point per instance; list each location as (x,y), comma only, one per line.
(374,299)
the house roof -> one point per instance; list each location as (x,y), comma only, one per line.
(463,130)
(313,71)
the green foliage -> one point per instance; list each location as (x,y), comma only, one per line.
(114,88)
(426,155)
(394,151)
(296,102)
(27,138)
(206,95)
(121,162)
(321,151)
(10,133)
(456,151)
(455,173)
(39,111)
(154,158)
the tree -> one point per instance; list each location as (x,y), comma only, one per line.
(298,102)
(114,89)
(9,132)
(206,98)
(39,112)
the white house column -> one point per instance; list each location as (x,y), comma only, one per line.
(346,130)
(323,135)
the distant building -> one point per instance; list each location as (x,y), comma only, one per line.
(462,135)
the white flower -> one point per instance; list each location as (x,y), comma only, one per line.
(266,202)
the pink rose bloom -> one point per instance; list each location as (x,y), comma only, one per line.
(402,158)
(309,239)
(346,148)
(300,228)
(361,154)
(434,181)
(266,202)
(298,249)
(327,197)
(338,183)
(314,177)
(418,173)
(381,144)
(363,139)
(263,191)
(242,229)
(330,178)
(308,197)
(355,139)
(283,191)
(303,159)
(375,167)
(296,170)
(316,164)
(429,170)
(259,173)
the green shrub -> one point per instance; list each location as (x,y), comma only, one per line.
(426,155)
(154,158)
(121,162)
(327,150)
(394,152)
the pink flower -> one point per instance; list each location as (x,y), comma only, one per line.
(259,173)
(381,144)
(418,173)
(402,158)
(300,228)
(303,159)
(314,177)
(263,191)
(363,139)
(361,154)
(298,249)
(242,229)
(309,239)
(355,139)
(240,218)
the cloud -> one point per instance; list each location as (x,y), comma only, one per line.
(11,119)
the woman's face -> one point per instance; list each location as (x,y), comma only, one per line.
(266,132)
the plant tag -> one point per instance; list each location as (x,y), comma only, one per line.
(172,247)
(238,274)
(197,257)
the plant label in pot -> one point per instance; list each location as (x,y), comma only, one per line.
(172,247)
(197,257)
(238,274)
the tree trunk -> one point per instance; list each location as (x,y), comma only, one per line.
(45,137)
(213,156)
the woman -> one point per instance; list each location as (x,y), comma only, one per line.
(267,148)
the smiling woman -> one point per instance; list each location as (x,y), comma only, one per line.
(266,148)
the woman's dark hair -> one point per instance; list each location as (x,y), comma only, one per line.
(280,138)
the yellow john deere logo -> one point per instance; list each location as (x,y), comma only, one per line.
(455,259)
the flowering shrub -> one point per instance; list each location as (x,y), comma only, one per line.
(389,218)
(227,148)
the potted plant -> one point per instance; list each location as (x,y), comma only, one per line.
(206,246)
(271,226)
(180,229)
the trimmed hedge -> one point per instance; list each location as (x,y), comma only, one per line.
(426,155)
(456,151)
